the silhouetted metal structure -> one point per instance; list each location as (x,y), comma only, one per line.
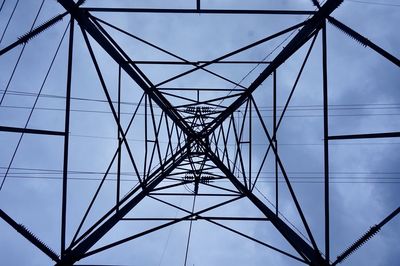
(202,129)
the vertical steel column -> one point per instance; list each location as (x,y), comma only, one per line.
(119,140)
(276,146)
(326,141)
(250,142)
(66,138)
(145,140)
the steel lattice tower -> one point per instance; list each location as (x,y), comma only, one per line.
(193,137)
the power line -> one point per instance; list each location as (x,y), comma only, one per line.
(52,171)
(354,106)
(374,3)
(59,178)
(254,116)
(9,19)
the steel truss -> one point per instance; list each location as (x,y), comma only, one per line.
(202,129)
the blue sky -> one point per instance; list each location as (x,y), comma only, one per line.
(363,98)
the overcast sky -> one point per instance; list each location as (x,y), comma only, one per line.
(363,98)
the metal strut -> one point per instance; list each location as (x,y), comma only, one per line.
(367,236)
(30,236)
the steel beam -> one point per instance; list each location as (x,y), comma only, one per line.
(111,47)
(326,142)
(31,131)
(255,240)
(200,11)
(233,62)
(312,26)
(77,251)
(366,136)
(66,138)
(299,244)
(191,215)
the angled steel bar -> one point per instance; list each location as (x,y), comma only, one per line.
(180,97)
(266,39)
(287,104)
(234,166)
(190,223)
(170,204)
(275,141)
(29,236)
(238,143)
(312,26)
(222,188)
(119,140)
(66,138)
(169,133)
(157,136)
(215,139)
(225,139)
(166,52)
(261,166)
(181,183)
(112,48)
(206,101)
(156,130)
(31,131)
(296,81)
(94,197)
(286,178)
(191,215)
(114,113)
(201,11)
(364,40)
(104,176)
(253,239)
(311,255)
(243,142)
(99,229)
(366,136)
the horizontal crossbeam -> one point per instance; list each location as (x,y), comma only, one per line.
(200,11)
(31,131)
(366,136)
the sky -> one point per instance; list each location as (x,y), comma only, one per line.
(363,98)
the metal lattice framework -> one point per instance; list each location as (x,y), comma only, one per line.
(198,130)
